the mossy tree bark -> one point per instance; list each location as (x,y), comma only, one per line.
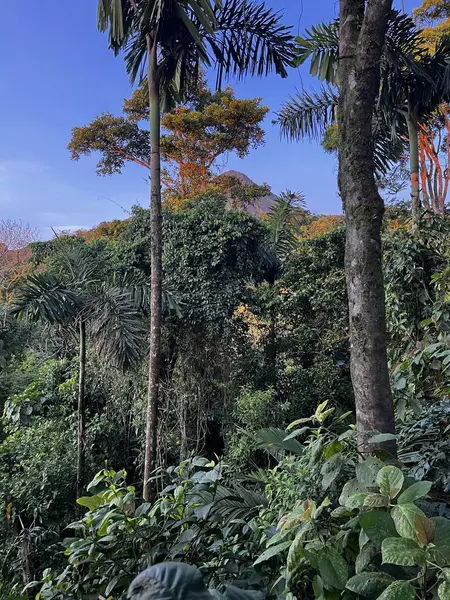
(362,33)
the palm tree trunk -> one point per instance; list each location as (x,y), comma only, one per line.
(81,438)
(156,270)
(362,32)
(413,134)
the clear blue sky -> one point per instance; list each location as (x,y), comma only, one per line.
(57,72)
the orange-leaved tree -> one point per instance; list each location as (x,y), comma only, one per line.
(196,135)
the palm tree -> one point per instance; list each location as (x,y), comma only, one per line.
(413,85)
(78,298)
(283,223)
(174,37)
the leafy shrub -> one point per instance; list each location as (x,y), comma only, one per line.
(197,518)
(375,543)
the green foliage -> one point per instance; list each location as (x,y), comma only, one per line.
(338,547)
(196,516)
(219,255)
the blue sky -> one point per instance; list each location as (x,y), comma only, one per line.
(59,73)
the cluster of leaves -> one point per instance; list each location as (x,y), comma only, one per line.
(376,543)
(197,518)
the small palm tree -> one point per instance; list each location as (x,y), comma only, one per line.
(172,38)
(283,222)
(78,298)
(413,85)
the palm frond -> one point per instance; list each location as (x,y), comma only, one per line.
(42,297)
(321,46)
(138,289)
(282,224)
(117,328)
(249,38)
(308,115)
(116,16)
(230,505)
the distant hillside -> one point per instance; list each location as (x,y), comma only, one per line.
(263,203)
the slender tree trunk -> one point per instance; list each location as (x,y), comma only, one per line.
(362,33)
(156,270)
(81,439)
(413,134)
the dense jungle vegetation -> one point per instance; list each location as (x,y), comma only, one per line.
(246,399)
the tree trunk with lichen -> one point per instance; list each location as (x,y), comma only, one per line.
(151,437)
(362,33)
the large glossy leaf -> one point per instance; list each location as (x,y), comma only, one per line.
(369,584)
(366,554)
(425,529)
(333,568)
(366,471)
(442,534)
(272,551)
(390,479)
(169,581)
(404,516)
(414,492)
(90,502)
(398,590)
(378,526)
(402,551)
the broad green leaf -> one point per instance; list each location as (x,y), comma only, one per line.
(298,422)
(320,409)
(402,551)
(331,469)
(351,488)
(366,471)
(340,512)
(376,501)
(334,448)
(378,526)
(414,492)
(99,478)
(103,527)
(91,502)
(272,551)
(317,587)
(365,556)
(425,529)
(321,418)
(404,516)
(390,479)
(369,584)
(398,590)
(442,535)
(444,591)
(332,568)
(356,500)
(296,433)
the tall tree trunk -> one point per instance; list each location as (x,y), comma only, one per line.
(413,134)
(362,34)
(156,269)
(81,438)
